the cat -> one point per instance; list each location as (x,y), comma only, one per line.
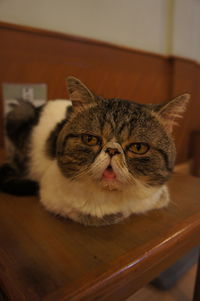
(92,159)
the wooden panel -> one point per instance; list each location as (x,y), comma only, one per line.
(186,78)
(30,55)
(43,257)
(26,56)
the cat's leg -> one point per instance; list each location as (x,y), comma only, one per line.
(90,220)
(11,182)
(164,198)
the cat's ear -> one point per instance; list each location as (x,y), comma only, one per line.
(170,111)
(79,94)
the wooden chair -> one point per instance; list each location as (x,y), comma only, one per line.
(44,257)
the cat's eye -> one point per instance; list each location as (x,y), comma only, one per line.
(139,148)
(90,140)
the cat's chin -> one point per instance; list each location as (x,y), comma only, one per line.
(111,185)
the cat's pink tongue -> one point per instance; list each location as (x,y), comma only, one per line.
(109,174)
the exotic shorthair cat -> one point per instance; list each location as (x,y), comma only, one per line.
(94,160)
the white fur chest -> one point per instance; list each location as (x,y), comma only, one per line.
(62,196)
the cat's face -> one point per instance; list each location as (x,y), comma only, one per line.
(115,143)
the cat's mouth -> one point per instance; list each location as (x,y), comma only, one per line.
(110,180)
(109,174)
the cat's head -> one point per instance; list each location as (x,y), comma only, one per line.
(116,143)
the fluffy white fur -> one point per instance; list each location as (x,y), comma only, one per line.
(65,197)
(53,113)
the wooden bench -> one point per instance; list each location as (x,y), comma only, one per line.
(44,257)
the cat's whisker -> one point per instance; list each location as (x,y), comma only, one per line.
(174,204)
(80,175)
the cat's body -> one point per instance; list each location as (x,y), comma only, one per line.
(96,160)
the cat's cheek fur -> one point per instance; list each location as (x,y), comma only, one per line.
(87,204)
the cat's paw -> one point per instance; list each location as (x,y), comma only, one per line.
(164,199)
(91,220)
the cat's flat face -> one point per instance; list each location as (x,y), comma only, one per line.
(116,143)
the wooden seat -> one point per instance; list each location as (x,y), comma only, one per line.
(45,257)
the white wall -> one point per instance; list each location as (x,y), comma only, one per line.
(160,26)
(186,29)
(135,23)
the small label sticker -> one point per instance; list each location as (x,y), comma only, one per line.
(28,94)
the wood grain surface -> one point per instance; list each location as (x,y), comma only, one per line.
(29,55)
(45,257)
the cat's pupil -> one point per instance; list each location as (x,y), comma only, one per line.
(89,138)
(138,146)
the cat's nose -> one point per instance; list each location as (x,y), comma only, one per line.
(112,151)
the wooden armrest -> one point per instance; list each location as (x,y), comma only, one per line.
(44,257)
